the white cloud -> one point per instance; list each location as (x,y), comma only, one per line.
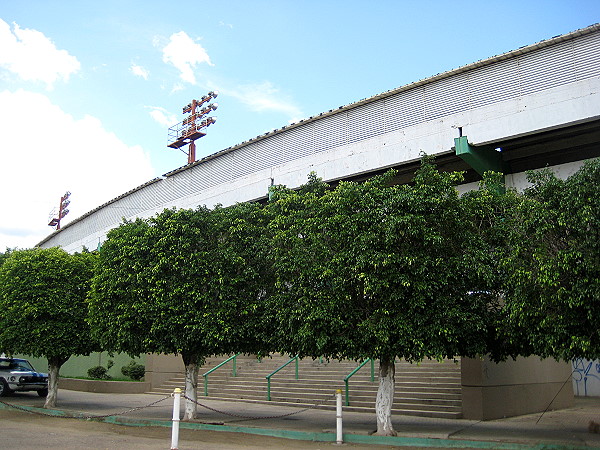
(264,97)
(183,53)
(33,57)
(162,116)
(139,71)
(176,88)
(61,154)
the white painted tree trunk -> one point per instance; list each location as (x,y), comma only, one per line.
(385,398)
(191,390)
(53,370)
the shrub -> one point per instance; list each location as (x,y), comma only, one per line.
(98,372)
(134,370)
(101,373)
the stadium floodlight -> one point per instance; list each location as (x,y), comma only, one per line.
(187,131)
(62,211)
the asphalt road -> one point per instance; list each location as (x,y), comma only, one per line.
(22,430)
(34,428)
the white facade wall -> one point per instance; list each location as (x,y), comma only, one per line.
(564,105)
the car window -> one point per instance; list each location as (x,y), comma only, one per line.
(16,365)
(21,365)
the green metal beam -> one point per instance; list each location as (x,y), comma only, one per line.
(481,159)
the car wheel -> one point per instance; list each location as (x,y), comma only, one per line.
(43,392)
(4,390)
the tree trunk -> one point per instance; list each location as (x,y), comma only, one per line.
(191,385)
(385,397)
(54,365)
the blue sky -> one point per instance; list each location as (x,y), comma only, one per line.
(88,89)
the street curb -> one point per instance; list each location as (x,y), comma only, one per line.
(397,441)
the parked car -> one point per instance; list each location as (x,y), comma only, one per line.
(19,375)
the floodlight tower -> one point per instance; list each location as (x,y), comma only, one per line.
(194,126)
(62,211)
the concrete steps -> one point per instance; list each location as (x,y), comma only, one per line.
(430,389)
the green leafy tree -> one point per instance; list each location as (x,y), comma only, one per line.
(377,271)
(186,282)
(552,268)
(43,307)
(4,256)
(494,221)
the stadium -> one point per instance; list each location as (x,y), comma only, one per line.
(533,107)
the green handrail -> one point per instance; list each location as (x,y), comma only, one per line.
(347,377)
(268,377)
(205,375)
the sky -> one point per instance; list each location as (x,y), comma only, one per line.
(88,89)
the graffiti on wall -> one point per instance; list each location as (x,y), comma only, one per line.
(586,378)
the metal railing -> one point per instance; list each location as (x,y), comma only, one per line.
(205,375)
(360,366)
(268,377)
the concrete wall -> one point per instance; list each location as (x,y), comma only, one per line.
(496,390)
(161,368)
(105,387)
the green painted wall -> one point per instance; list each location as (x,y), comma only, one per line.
(77,366)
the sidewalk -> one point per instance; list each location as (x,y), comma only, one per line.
(555,429)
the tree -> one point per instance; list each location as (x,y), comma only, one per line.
(492,212)
(4,256)
(552,268)
(186,282)
(377,271)
(43,307)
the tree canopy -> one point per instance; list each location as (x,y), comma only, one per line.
(4,255)
(552,267)
(376,271)
(362,270)
(43,307)
(186,282)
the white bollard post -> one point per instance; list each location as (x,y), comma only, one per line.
(338,417)
(176,413)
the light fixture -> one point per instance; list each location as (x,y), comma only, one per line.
(187,131)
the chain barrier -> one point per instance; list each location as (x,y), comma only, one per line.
(86,417)
(20,408)
(241,416)
(137,408)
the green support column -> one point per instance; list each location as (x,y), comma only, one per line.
(482,159)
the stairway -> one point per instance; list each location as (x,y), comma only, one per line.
(429,389)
